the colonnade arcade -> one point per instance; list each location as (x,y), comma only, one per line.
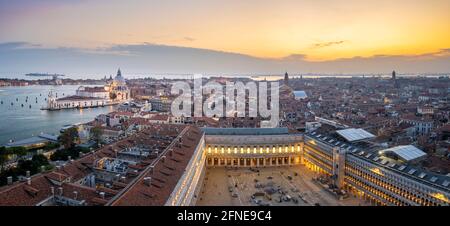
(253,155)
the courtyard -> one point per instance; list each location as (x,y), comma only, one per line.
(269,186)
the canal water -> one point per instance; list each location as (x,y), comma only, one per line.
(19,122)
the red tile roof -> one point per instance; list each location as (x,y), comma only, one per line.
(23,194)
(165,173)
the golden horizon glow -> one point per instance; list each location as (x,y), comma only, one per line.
(316,30)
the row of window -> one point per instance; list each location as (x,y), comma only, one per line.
(253,149)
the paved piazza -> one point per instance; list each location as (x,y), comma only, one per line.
(287,186)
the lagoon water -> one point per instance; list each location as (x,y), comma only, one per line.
(17,122)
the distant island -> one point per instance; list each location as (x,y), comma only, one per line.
(29,82)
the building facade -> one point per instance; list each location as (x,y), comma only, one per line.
(358,171)
(88,97)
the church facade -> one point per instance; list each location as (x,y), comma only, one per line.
(115,92)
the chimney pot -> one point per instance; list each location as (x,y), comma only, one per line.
(10,180)
(28,181)
(151,169)
(148,181)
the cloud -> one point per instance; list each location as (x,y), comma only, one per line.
(294,57)
(189,39)
(148,58)
(327,44)
(12,45)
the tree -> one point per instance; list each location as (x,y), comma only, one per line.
(51,146)
(19,151)
(39,160)
(68,138)
(96,134)
(6,152)
(63,154)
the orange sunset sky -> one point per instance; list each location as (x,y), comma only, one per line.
(318,30)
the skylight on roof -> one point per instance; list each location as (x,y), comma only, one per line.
(353,134)
(406,152)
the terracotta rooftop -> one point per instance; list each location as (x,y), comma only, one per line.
(39,187)
(165,173)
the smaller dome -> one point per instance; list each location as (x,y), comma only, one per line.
(119,77)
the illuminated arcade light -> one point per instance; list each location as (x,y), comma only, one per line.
(377,171)
(440,196)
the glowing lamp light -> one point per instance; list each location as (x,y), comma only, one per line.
(441,197)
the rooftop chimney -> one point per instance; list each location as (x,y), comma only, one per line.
(148,181)
(102,194)
(151,169)
(10,180)
(42,168)
(28,181)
